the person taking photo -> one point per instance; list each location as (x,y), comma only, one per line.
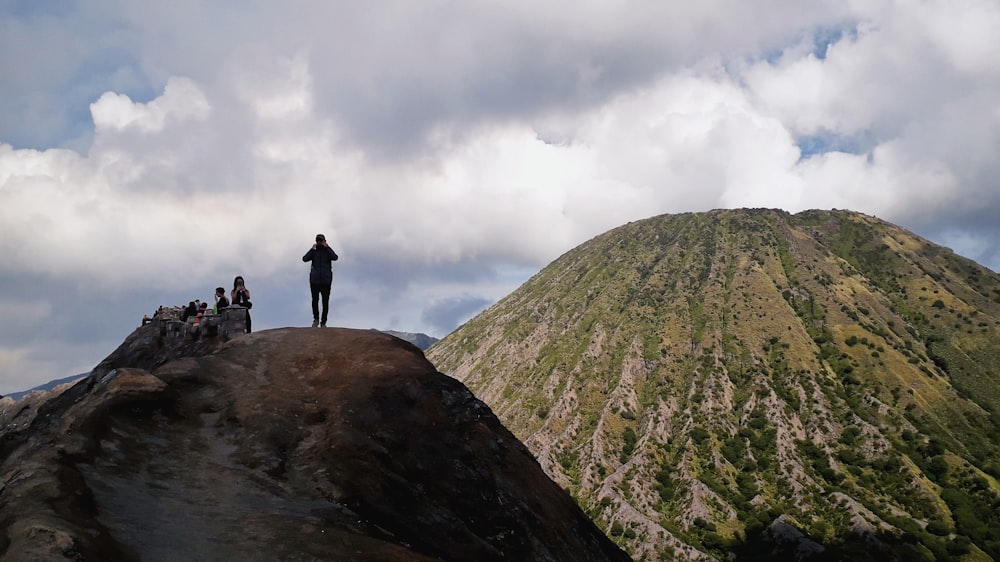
(322,257)
(240,295)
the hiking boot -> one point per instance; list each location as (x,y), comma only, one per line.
(315,323)
(323,325)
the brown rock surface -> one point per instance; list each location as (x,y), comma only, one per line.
(290,444)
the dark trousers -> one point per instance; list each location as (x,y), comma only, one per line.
(317,290)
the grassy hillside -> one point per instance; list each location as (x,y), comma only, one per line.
(704,382)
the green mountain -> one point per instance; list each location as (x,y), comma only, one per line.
(748,383)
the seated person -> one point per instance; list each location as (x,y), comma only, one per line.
(220,299)
(189,312)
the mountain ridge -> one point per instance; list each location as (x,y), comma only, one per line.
(419,339)
(52,384)
(693,379)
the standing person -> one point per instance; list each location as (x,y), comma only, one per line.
(240,295)
(322,257)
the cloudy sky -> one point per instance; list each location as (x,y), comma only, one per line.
(151,151)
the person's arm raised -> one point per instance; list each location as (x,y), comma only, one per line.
(309,255)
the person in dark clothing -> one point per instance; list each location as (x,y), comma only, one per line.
(240,295)
(220,299)
(322,257)
(190,312)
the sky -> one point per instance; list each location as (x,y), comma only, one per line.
(152,151)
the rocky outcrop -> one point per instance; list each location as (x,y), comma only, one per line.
(290,444)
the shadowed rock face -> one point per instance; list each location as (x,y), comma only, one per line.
(291,444)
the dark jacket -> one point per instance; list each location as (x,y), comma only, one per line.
(322,258)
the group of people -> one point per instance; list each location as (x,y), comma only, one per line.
(240,296)
(321,256)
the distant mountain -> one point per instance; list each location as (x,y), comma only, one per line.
(757,385)
(422,341)
(288,444)
(47,386)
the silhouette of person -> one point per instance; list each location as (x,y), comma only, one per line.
(240,295)
(322,257)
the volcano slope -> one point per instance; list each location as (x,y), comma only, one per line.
(751,383)
(290,444)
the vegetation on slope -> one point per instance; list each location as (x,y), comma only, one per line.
(696,380)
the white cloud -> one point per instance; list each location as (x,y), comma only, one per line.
(440,145)
(964,33)
(182,99)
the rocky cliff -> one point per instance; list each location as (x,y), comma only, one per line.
(290,444)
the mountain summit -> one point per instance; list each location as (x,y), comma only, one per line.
(290,444)
(750,383)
